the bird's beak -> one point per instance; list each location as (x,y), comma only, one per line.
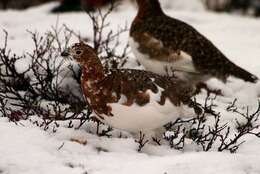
(65,53)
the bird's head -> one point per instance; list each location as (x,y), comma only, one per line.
(80,52)
(149,7)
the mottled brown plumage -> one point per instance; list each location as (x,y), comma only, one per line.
(126,87)
(163,38)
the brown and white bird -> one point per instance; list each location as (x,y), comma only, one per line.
(166,45)
(132,100)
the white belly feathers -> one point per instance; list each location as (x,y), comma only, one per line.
(136,118)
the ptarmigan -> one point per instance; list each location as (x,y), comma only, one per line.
(165,45)
(132,100)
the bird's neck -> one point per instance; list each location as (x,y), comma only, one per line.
(96,93)
(148,8)
(93,70)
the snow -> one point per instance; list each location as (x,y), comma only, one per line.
(28,149)
(184,5)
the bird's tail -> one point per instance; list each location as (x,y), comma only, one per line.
(242,74)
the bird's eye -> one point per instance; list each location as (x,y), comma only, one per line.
(78,52)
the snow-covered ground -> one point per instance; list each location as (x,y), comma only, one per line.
(27,149)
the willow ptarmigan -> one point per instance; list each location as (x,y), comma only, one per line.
(165,45)
(132,100)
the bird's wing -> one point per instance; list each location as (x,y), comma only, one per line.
(157,51)
(132,82)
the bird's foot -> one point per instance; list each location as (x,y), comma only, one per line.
(152,137)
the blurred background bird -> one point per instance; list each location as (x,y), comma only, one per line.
(168,46)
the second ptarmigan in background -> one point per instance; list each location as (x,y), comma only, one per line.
(166,45)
